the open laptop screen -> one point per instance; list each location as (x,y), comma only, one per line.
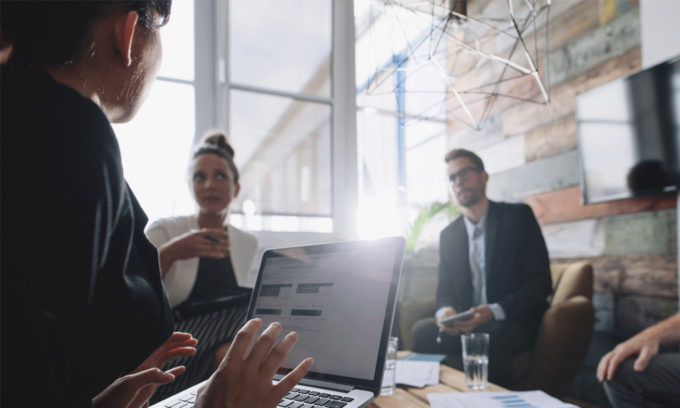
(339,298)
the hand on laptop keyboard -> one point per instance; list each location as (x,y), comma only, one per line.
(177,345)
(244,379)
(136,388)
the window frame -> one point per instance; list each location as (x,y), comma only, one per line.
(213,85)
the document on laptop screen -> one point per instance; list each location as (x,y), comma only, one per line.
(335,301)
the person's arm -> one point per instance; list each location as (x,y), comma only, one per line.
(206,242)
(157,233)
(535,270)
(645,345)
(668,330)
(50,282)
(447,304)
(5,52)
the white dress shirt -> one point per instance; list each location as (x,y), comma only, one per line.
(476,241)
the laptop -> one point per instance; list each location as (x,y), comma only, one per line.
(340,298)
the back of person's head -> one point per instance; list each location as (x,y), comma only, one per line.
(54,33)
(648,176)
(458,153)
(215,142)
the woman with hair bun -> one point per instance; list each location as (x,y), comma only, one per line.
(204,259)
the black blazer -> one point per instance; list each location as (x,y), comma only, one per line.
(517,265)
(82,298)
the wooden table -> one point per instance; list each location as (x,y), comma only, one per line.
(450,380)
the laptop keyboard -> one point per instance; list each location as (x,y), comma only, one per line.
(186,400)
(299,398)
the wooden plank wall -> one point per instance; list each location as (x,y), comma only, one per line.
(532,156)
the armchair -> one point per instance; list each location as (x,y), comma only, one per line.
(563,336)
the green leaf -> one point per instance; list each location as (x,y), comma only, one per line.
(426,214)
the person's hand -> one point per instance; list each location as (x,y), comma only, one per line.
(244,378)
(5,52)
(133,390)
(645,345)
(481,314)
(451,331)
(177,345)
(205,242)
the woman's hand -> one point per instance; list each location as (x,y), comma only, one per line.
(244,379)
(133,390)
(205,242)
(177,345)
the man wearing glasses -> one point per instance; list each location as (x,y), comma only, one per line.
(494,263)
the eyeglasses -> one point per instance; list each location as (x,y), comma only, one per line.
(462,174)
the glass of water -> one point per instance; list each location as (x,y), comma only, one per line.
(475,359)
(389,375)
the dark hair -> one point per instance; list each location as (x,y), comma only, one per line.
(458,153)
(215,142)
(648,176)
(55,32)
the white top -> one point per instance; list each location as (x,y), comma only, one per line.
(181,276)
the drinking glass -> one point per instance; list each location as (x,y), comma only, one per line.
(475,359)
(389,374)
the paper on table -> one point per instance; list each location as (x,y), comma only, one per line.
(417,373)
(506,399)
(424,357)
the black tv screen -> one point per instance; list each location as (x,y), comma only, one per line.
(629,135)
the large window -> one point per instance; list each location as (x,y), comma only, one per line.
(156,145)
(281,83)
(280,112)
(278,75)
(401,124)
(289,106)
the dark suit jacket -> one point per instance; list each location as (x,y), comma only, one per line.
(82,298)
(517,265)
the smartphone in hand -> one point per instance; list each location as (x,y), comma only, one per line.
(448,321)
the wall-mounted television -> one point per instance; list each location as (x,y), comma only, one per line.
(629,135)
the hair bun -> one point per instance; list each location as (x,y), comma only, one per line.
(218,140)
(215,142)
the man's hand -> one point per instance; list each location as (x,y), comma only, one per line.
(481,314)
(449,311)
(645,345)
(244,378)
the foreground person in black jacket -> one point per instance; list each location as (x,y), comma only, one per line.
(83,307)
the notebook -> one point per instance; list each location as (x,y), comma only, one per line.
(340,298)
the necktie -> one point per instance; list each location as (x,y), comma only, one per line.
(478,275)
